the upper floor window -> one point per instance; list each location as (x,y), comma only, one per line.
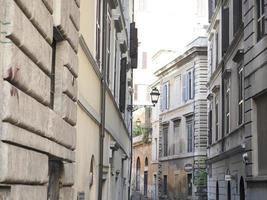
(212,6)
(240,95)
(260,19)
(237,14)
(189,126)
(144,60)
(225,29)
(165,132)
(188,85)
(216,117)
(98,30)
(165,96)
(227,105)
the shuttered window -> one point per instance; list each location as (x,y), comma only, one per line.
(225,30)
(98,30)
(188,85)
(123,75)
(165,96)
(237,14)
(189,126)
(165,132)
(261,103)
(260,19)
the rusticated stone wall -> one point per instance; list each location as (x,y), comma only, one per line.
(38,94)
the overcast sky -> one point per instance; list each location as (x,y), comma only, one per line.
(169,24)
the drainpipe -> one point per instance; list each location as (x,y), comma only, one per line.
(223,107)
(131,132)
(103,103)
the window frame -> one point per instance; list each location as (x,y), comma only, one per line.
(240,95)
(216,102)
(227,105)
(260,18)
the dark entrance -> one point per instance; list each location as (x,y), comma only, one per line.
(217,190)
(242,189)
(145,182)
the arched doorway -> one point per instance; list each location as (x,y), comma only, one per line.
(242,189)
(146,177)
(138,167)
(228,190)
(217,191)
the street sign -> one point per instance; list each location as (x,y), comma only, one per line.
(188,167)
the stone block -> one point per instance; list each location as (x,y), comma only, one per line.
(66,19)
(68,174)
(27,192)
(66,193)
(49,5)
(39,15)
(16,135)
(67,57)
(69,110)
(25,36)
(60,131)
(69,84)
(20,109)
(20,165)
(27,76)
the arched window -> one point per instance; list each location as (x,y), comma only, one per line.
(91,174)
(242,189)
(146,162)
(228,190)
(138,167)
(217,191)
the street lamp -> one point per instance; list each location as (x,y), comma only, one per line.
(154,96)
(138,122)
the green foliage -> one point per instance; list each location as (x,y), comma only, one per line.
(201,178)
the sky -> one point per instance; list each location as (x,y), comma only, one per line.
(168,24)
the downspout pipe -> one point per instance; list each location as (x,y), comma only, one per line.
(223,106)
(131,132)
(103,101)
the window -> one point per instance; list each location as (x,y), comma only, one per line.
(212,6)
(165,96)
(135,92)
(177,99)
(260,19)
(240,95)
(108,47)
(144,60)
(165,133)
(98,30)
(188,85)
(237,15)
(91,175)
(210,128)
(217,49)
(216,118)
(189,184)
(115,71)
(211,56)
(146,162)
(227,105)
(156,149)
(138,167)
(225,30)
(189,126)
(176,136)
(261,103)
(55,176)
(165,185)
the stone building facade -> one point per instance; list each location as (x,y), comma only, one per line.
(65,130)
(38,84)
(182,125)
(237,100)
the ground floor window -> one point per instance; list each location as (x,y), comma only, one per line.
(165,185)
(217,191)
(242,189)
(189,184)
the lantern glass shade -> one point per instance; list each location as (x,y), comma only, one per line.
(138,122)
(154,94)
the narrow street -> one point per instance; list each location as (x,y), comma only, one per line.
(133,99)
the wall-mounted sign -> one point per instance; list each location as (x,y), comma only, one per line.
(228,177)
(188,167)
(81,196)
